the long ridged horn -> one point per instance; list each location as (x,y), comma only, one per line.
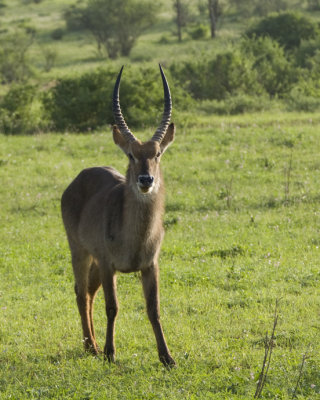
(160,132)
(117,114)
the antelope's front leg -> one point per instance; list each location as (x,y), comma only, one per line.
(110,288)
(150,281)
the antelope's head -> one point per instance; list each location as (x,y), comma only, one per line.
(144,158)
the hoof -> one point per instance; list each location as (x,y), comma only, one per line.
(92,348)
(168,361)
(93,351)
(109,356)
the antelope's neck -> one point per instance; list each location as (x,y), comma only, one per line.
(144,213)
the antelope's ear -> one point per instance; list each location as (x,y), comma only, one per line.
(168,137)
(119,140)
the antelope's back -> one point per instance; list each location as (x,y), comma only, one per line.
(81,190)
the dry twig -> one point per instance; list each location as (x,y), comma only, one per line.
(304,358)
(268,347)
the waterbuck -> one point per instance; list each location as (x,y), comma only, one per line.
(114,223)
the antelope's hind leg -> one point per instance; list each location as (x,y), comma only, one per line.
(93,287)
(81,263)
(109,283)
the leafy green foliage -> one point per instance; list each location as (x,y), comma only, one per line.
(275,73)
(198,32)
(306,56)
(17,113)
(287,28)
(73,16)
(84,102)
(14,64)
(50,55)
(220,76)
(80,103)
(57,34)
(255,66)
(225,74)
(305,95)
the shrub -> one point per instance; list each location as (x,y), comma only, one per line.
(79,103)
(286,28)
(165,39)
(216,78)
(57,34)
(17,112)
(297,100)
(14,63)
(50,57)
(305,95)
(199,32)
(306,54)
(84,102)
(274,72)
(73,17)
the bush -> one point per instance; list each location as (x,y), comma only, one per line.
(18,114)
(14,63)
(299,101)
(165,39)
(84,102)
(199,32)
(226,74)
(305,95)
(57,34)
(50,57)
(274,72)
(306,54)
(288,29)
(73,17)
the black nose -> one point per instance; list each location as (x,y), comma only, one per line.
(145,180)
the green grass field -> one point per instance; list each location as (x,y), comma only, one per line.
(242,230)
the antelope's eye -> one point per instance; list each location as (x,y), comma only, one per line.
(130,157)
(158,155)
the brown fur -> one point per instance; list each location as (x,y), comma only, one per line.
(112,226)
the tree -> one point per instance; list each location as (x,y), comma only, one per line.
(214,13)
(212,9)
(115,24)
(182,16)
